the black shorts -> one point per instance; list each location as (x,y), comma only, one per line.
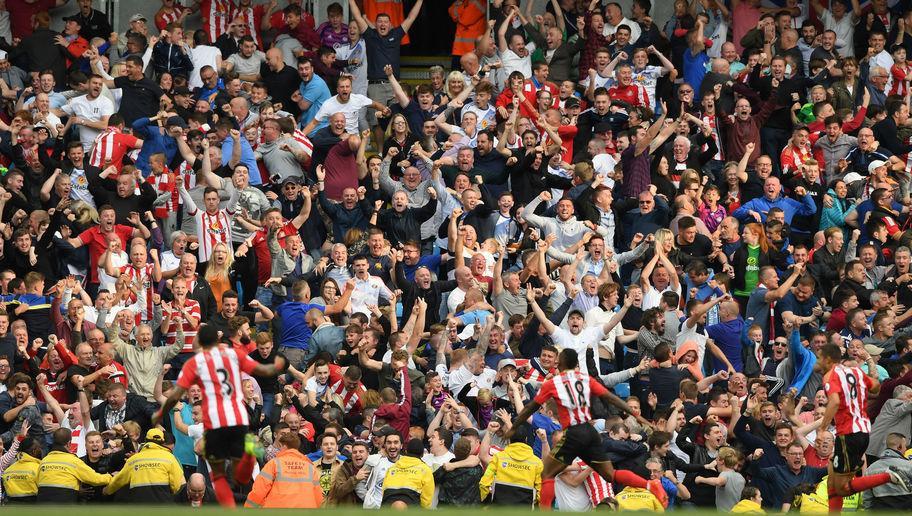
(581,441)
(225,443)
(849,453)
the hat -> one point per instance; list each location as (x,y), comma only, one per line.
(852,177)
(571,102)
(506,362)
(137,17)
(875,165)
(873,350)
(291,179)
(73,18)
(155,434)
(182,90)
(3,55)
(176,120)
(578,312)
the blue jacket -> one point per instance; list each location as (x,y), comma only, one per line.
(172,59)
(762,205)
(803,360)
(154,141)
(781,480)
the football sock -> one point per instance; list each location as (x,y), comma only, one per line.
(859,484)
(222,490)
(546,497)
(243,470)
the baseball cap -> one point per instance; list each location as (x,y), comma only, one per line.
(578,312)
(290,180)
(506,362)
(182,90)
(155,434)
(873,350)
(176,120)
(137,17)
(875,165)
(571,102)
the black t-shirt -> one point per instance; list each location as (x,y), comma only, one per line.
(382,51)
(72,371)
(144,97)
(665,382)
(281,85)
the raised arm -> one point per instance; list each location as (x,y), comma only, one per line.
(412,16)
(398,92)
(539,313)
(356,15)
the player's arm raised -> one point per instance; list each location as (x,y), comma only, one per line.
(177,392)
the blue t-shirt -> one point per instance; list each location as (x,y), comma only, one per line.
(432,262)
(695,70)
(727,335)
(316,92)
(540,420)
(295,331)
(248,158)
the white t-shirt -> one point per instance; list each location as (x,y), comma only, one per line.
(604,165)
(378,465)
(350,109)
(513,63)
(652,298)
(844,29)
(597,316)
(487,118)
(569,498)
(108,282)
(195,432)
(587,338)
(435,461)
(313,386)
(202,55)
(79,184)
(90,109)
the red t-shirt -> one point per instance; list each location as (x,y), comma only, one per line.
(22,14)
(98,244)
(261,249)
(341,170)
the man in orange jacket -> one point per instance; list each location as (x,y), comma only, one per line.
(471,21)
(289,481)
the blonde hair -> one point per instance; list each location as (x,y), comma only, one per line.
(85,213)
(214,271)
(728,456)
(455,74)
(663,235)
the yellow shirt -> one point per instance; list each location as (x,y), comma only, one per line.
(64,470)
(21,478)
(638,499)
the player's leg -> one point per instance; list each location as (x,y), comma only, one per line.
(220,485)
(248,451)
(553,468)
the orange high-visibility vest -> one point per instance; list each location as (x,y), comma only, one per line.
(391,7)
(470,17)
(289,481)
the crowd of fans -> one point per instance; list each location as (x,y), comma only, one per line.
(694,206)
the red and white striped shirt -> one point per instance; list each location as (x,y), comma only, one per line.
(218,373)
(301,137)
(217,15)
(111,146)
(597,487)
(163,18)
(572,390)
(252,16)
(351,400)
(164,183)
(144,278)
(176,317)
(212,228)
(852,385)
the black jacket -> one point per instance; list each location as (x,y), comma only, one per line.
(137,409)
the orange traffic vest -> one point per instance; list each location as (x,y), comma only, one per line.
(470,17)
(289,481)
(391,7)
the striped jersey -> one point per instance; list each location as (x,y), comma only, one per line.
(217,371)
(217,15)
(351,399)
(212,228)
(143,279)
(852,385)
(572,391)
(110,147)
(193,307)
(252,17)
